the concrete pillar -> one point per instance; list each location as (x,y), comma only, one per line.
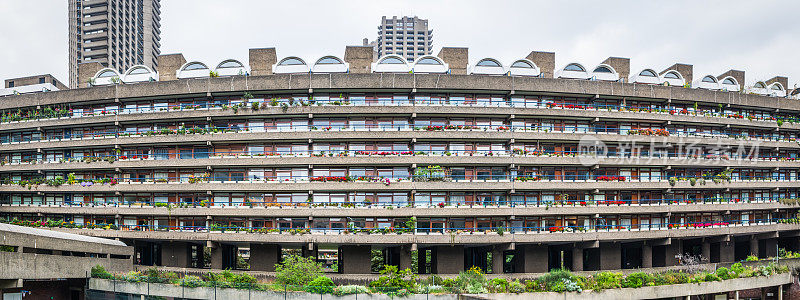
(168,66)
(647,256)
(706,251)
(780,292)
(261,61)
(577,259)
(546,61)
(672,250)
(405,257)
(263,257)
(216,257)
(771,247)
(754,246)
(610,256)
(457,59)
(86,71)
(736,295)
(449,259)
(497,260)
(535,258)
(687,71)
(360,58)
(355,259)
(621,65)
(726,251)
(175,254)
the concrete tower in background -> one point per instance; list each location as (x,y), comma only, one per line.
(408,37)
(115,33)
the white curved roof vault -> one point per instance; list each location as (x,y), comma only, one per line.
(330,64)
(290,65)
(707,82)
(777,89)
(391,64)
(524,67)
(729,84)
(193,69)
(230,67)
(430,64)
(106,76)
(488,66)
(604,72)
(139,73)
(646,76)
(673,78)
(573,70)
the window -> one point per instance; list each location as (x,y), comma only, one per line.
(650,73)
(776,87)
(392,60)
(521,64)
(41,80)
(292,61)
(138,70)
(195,66)
(760,85)
(107,73)
(428,61)
(230,64)
(329,60)
(602,70)
(729,81)
(574,67)
(488,63)
(709,79)
(670,75)
(11,84)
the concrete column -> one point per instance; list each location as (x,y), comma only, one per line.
(577,259)
(672,250)
(175,254)
(405,257)
(772,248)
(647,256)
(497,260)
(726,251)
(216,257)
(736,295)
(449,259)
(706,251)
(780,292)
(355,259)
(263,257)
(535,258)
(610,256)
(754,246)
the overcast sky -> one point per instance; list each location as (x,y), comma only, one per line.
(760,37)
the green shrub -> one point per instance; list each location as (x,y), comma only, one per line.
(321,285)
(350,289)
(708,277)
(635,280)
(738,269)
(470,279)
(297,270)
(516,287)
(607,280)
(392,278)
(498,285)
(725,273)
(751,258)
(191,282)
(99,271)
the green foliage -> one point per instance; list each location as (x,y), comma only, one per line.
(725,273)
(350,289)
(751,258)
(99,271)
(191,282)
(635,280)
(515,287)
(297,270)
(393,278)
(607,280)
(471,280)
(321,285)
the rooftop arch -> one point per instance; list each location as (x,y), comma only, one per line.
(573,71)
(290,65)
(758,88)
(730,84)
(776,89)
(139,73)
(488,66)
(523,67)
(106,76)
(646,76)
(430,64)
(708,82)
(330,64)
(604,72)
(673,78)
(230,67)
(193,69)
(391,64)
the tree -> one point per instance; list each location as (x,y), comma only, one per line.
(297,270)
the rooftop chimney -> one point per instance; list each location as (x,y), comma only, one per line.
(456,57)
(168,65)
(261,61)
(360,58)
(687,71)
(546,61)
(86,72)
(621,65)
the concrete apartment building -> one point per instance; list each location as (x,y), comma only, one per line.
(408,37)
(113,33)
(542,166)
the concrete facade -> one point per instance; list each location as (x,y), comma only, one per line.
(457,58)
(621,65)
(546,61)
(37,79)
(86,72)
(264,257)
(355,259)
(360,59)
(736,74)
(686,70)
(261,61)
(168,66)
